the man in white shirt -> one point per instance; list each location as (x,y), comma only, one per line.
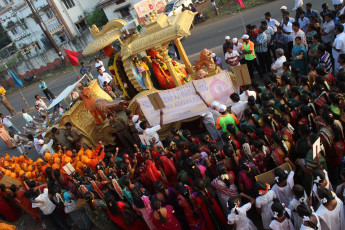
(298,8)
(287,14)
(238,107)
(151,133)
(210,125)
(303,21)
(49,210)
(338,44)
(297,32)
(40,103)
(327,31)
(269,34)
(28,119)
(46,147)
(105,77)
(99,65)
(136,120)
(237,46)
(34,143)
(5,120)
(277,66)
(271,22)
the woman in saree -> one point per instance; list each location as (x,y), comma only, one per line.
(300,55)
(313,53)
(6,137)
(96,210)
(211,212)
(24,203)
(6,210)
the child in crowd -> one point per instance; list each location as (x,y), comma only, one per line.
(107,88)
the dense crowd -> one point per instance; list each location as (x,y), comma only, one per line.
(207,181)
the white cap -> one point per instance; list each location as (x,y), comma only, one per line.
(227,37)
(214,104)
(221,108)
(283,8)
(234,40)
(213,55)
(40,142)
(245,36)
(135,118)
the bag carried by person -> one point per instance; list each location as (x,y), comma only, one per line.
(70,206)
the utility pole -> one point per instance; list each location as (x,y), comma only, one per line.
(47,33)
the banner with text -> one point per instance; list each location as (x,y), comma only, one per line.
(182,102)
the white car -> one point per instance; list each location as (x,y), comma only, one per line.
(176,6)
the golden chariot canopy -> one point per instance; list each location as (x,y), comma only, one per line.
(160,29)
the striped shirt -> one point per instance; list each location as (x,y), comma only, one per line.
(326,62)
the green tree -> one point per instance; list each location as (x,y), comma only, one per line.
(98,18)
(4,38)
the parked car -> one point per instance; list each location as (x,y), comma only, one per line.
(176,6)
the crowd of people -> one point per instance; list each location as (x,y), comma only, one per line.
(208,179)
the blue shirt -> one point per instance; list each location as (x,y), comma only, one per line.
(43,85)
(84,70)
(262,38)
(313,12)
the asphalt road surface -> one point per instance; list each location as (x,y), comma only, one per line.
(208,34)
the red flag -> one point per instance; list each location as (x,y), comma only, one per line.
(72,56)
(240,3)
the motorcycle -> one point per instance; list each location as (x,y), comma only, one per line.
(30,79)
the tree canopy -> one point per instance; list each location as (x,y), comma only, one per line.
(4,38)
(98,18)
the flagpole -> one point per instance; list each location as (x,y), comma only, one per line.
(18,81)
(239,8)
(26,103)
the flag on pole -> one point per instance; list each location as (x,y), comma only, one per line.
(16,79)
(72,56)
(240,3)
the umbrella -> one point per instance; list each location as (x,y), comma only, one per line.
(63,94)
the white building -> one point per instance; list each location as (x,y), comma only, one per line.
(115,9)
(64,19)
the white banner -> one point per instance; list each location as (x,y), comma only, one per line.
(182,102)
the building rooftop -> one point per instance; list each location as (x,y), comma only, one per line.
(105,3)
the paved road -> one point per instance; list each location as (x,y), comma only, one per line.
(209,35)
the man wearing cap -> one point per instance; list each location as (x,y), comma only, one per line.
(283,9)
(46,147)
(249,55)
(227,44)
(89,104)
(237,46)
(226,118)
(121,128)
(217,60)
(136,120)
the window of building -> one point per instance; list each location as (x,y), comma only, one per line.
(62,38)
(8,1)
(124,12)
(81,26)
(68,3)
(24,26)
(14,31)
(49,14)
